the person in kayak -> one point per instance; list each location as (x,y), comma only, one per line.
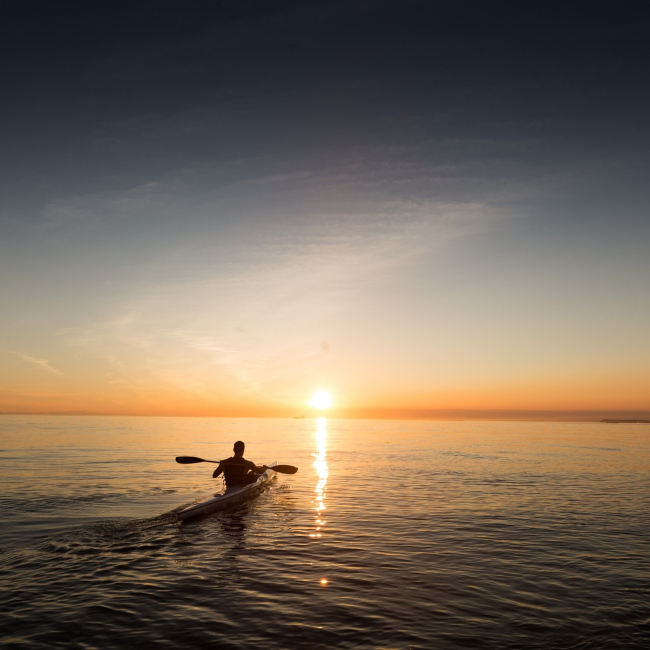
(237,470)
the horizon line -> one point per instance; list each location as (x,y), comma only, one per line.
(531,415)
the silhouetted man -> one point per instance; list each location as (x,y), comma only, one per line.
(237,470)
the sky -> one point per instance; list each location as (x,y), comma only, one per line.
(217,208)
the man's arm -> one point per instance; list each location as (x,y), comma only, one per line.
(218,470)
(256,469)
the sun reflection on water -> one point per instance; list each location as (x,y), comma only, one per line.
(322,471)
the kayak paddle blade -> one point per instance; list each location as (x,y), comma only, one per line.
(188,460)
(284,469)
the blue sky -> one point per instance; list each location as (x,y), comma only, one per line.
(220,207)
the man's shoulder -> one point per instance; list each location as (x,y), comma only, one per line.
(239,461)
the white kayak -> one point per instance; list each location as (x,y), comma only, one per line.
(229,497)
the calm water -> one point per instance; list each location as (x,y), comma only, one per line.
(391,535)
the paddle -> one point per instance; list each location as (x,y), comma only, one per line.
(189,460)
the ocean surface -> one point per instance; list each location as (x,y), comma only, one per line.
(391,535)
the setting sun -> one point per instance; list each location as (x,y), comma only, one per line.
(321,399)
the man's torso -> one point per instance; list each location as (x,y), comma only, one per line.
(235,470)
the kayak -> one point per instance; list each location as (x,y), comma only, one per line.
(229,497)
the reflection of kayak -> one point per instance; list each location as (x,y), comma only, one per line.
(229,497)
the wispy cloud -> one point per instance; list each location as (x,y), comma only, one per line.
(243,277)
(41,363)
(92,208)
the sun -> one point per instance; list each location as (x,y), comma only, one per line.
(321,399)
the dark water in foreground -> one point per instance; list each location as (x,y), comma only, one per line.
(391,535)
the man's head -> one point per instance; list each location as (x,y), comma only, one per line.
(238,448)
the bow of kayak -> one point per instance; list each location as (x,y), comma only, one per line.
(229,497)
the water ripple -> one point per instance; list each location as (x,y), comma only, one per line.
(462,539)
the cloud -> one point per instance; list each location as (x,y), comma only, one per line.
(234,281)
(92,208)
(42,363)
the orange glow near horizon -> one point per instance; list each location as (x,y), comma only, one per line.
(367,393)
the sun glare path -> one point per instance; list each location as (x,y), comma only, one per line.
(321,399)
(322,471)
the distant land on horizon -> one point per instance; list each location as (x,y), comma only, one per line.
(405,414)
